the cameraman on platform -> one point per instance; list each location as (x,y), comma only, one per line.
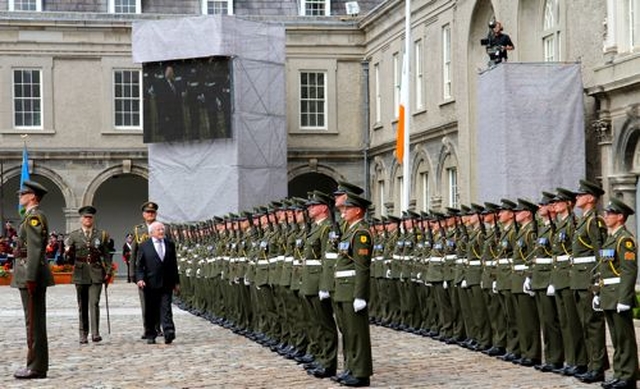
(497,43)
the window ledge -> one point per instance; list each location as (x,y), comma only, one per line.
(122,132)
(378,126)
(448,101)
(13,131)
(313,132)
(420,111)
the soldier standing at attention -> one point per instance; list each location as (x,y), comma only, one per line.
(587,242)
(619,268)
(352,277)
(31,274)
(141,233)
(87,250)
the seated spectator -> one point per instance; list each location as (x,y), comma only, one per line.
(52,249)
(9,230)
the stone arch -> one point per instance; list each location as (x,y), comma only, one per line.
(379,172)
(421,157)
(627,144)
(67,193)
(88,196)
(314,168)
(447,150)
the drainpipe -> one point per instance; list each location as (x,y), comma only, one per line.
(365,125)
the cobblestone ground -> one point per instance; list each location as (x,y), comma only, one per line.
(207,356)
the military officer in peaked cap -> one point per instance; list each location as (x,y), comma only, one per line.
(352,277)
(32,276)
(618,268)
(87,249)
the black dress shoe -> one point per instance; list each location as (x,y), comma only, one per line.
(591,376)
(623,384)
(340,377)
(96,339)
(311,365)
(576,370)
(607,384)
(528,362)
(143,337)
(307,358)
(495,351)
(169,339)
(321,372)
(83,340)
(508,357)
(354,381)
(27,374)
(151,341)
(548,367)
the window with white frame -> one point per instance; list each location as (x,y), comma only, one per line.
(127,92)
(632,24)
(25,5)
(217,7)
(315,7)
(446,62)
(27,98)
(397,76)
(452,175)
(125,6)
(313,102)
(378,95)
(426,191)
(551,31)
(381,199)
(419,100)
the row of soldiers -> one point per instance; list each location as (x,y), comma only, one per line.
(494,278)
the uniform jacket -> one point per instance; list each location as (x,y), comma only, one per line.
(90,256)
(587,241)
(32,238)
(618,260)
(354,254)
(314,251)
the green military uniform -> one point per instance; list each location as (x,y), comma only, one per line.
(618,269)
(88,251)
(31,274)
(352,277)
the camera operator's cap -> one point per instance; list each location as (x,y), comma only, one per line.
(346,187)
(508,205)
(33,187)
(526,205)
(588,187)
(318,198)
(149,206)
(565,195)
(353,200)
(477,208)
(617,206)
(547,198)
(87,210)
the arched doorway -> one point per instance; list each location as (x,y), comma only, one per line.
(52,204)
(118,201)
(300,185)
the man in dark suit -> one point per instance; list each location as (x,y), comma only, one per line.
(157,276)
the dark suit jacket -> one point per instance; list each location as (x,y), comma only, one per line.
(155,273)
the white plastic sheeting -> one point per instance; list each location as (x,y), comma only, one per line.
(531,133)
(197,180)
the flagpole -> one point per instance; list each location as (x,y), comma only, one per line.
(406,175)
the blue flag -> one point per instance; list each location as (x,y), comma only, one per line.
(24,175)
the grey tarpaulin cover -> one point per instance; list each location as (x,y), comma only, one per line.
(530,133)
(197,180)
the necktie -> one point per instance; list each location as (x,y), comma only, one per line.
(160,249)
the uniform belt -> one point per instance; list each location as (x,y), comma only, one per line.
(297,262)
(273,260)
(543,261)
(241,259)
(313,262)
(233,260)
(450,257)
(611,281)
(520,267)
(461,261)
(225,258)
(288,259)
(280,258)
(475,263)
(380,258)
(331,255)
(263,262)
(345,273)
(409,257)
(491,263)
(397,256)
(436,259)
(580,260)
(562,258)
(505,261)
(85,260)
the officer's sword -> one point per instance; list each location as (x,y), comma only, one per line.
(106,301)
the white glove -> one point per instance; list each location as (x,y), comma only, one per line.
(622,307)
(359,305)
(551,290)
(494,287)
(526,287)
(595,304)
(388,273)
(419,276)
(322,295)
(445,285)
(463,284)
(247,282)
